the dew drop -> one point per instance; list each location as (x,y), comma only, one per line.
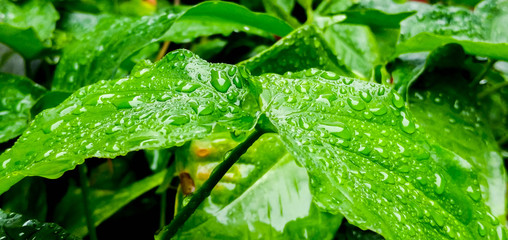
(481,229)
(379,111)
(178,119)
(366,96)
(337,130)
(330,75)
(397,100)
(355,104)
(475,195)
(219,81)
(406,125)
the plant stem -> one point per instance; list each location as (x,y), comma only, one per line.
(491,90)
(164,197)
(86,202)
(162,51)
(204,191)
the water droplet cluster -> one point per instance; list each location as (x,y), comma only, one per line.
(365,152)
(179,98)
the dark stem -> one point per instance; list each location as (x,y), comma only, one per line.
(86,202)
(164,197)
(204,191)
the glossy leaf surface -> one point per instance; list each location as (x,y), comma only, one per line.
(216,17)
(180,98)
(28,26)
(98,55)
(457,123)
(265,194)
(368,159)
(17,227)
(17,96)
(103,202)
(303,48)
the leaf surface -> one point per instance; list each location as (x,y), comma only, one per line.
(27,27)
(303,48)
(17,96)
(215,17)
(15,226)
(368,159)
(99,53)
(179,98)
(265,194)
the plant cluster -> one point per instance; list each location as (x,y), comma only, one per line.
(284,119)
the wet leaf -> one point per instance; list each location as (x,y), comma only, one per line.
(303,48)
(368,158)
(15,226)
(99,53)
(179,98)
(265,194)
(17,96)
(216,17)
(27,27)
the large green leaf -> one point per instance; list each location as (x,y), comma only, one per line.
(216,17)
(104,203)
(303,48)
(27,27)
(448,111)
(265,194)
(179,98)
(17,96)
(15,226)
(368,159)
(99,53)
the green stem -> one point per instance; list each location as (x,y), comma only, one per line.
(86,202)
(164,197)
(204,191)
(483,72)
(492,89)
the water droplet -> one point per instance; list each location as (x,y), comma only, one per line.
(187,87)
(438,218)
(347,81)
(177,119)
(381,91)
(206,109)
(303,124)
(365,150)
(473,194)
(355,104)
(330,75)
(440,184)
(219,81)
(481,229)
(113,129)
(337,129)
(406,125)
(366,96)
(379,111)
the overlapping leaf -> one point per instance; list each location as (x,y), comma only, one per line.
(215,17)
(368,159)
(17,96)
(16,226)
(168,103)
(265,194)
(27,27)
(303,48)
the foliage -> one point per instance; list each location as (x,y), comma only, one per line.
(313,120)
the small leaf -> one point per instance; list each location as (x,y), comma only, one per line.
(246,204)
(303,48)
(164,105)
(214,17)
(16,226)
(27,27)
(17,96)
(368,159)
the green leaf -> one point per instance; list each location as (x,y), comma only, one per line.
(303,48)
(282,9)
(15,226)
(27,27)
(246,204)
(448,111)
(179,98)
(368,159)
(355,45)
(98,55)
(28,197)
(216,17)
(17,96)
(495,14)
(103,202)
(375,18)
